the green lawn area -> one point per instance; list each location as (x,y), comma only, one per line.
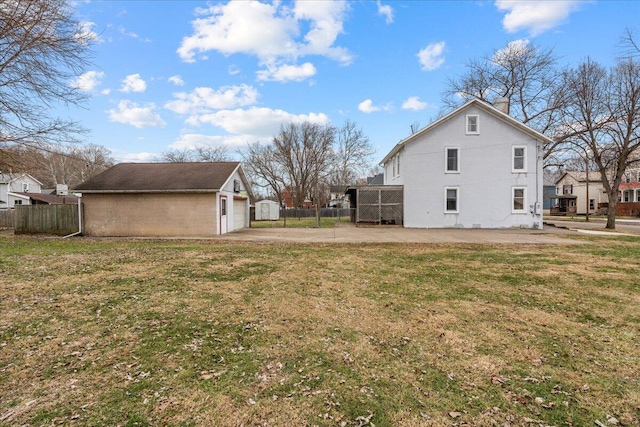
(214,333)
(300,222)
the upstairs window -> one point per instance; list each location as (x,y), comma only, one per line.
(473,125)
(452,160)
(519,159)
(25,187)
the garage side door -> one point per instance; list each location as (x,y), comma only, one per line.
(238,214)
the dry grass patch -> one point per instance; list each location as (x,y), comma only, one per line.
(99,332)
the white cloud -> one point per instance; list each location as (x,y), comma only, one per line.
(88,81)
(194,140)
(205,99)
(131,34)
(131,114)
(176,80)
(257,122)
(285,73)
(367,106)
(273,32)
(233,70)
(414,103)
(431,56)
(86,34)
(133,83)
(515,48)
(535,16)
(143,157)
(386,11)
(105,91)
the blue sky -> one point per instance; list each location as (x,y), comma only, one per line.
(177,74)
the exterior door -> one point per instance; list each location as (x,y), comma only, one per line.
(223,215)
(264,211)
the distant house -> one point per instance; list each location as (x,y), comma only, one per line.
(571,194)
(337,197)
(166,199)
(476,167)
(16,189)
(629,202)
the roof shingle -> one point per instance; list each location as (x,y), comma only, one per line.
(158,177)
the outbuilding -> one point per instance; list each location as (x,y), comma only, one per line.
(166,199)
(267,210)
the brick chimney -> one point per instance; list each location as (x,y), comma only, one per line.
(502,103)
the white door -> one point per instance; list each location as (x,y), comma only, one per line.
(264,211)
(223,215)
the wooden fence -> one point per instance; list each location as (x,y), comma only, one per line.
(6,218)
(46,219)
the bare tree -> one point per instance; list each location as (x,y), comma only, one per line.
(527,75)
(198,154)
(42,49)
(631,48)
(603,117)
(304,152)
(352,154)
(59,164)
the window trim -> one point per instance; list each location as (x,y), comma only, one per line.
(446,160)
(524,200)
(477,131)
(457,190)
(524,159)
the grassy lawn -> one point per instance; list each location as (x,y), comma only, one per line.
(214,333)
(300,222)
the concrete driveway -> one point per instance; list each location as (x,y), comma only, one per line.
(348,233)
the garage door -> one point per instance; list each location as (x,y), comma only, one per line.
(239,214)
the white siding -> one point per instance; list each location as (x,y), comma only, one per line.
(485,179)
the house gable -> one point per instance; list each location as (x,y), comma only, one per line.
(486,173)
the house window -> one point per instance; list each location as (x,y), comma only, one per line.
(519,159)
(627,177)
(567,189)
(637,195)
(638,176)
(17,202)
(452,160)
(473,125)
(626,196)
(592,204)
(451,199)
(519,199)
(25,187)
(395,163)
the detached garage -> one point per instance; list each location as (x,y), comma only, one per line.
(166,199)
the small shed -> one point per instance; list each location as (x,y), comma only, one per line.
(267,210)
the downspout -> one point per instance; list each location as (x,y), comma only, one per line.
(79,220)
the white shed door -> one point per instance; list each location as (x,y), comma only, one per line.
(239,214)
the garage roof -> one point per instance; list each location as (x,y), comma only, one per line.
(161,177)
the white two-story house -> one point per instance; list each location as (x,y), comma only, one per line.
(476,167)
(14,188)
